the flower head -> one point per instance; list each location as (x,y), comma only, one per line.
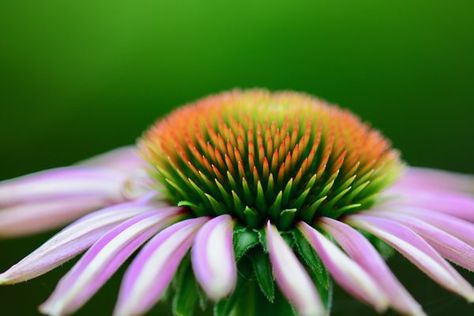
(258,156)
(235,193)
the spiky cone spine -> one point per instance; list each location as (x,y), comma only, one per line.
(257,155)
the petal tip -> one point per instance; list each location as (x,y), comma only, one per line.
(4,280)
(47,308)
(470,297)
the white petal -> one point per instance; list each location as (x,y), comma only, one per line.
(213,257)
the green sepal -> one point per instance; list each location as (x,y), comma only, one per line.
(288,238)
(186,290)
(315,268)
(263,274)
(225,306)
(244,240)
(382,247)
(262,238)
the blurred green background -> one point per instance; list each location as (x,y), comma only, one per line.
(81,77)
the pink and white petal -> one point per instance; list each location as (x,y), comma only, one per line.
(213,257)
(125,159)
(139,184)
(103,259)
(435,180)
(152,270)
(455,204)
(457,227)
(291,276)
(344,270)
(72,240)
(415,249)
(450,247)
(66,182)
(30,218)
(361,251)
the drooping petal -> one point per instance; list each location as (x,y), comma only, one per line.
(455,204)
(460,228)
(362,252)
(30,218)
(103,259)
(58,183)
(72,240)
(125,159)
(291,276)
(345,270)
(415,249)
(450,247)
(435,180)
(213,257)
(154,267)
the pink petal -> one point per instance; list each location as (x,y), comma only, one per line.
(362,252)
(72,240)
(417,250)
(450,247)
(462,229)
(63,183)
(455,204)
(124,159)
(154,267)
(213,257)
(103,259)
(30,218)
(291,276)
(435,180)
(344,270)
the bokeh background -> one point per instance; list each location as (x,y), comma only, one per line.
(81,77)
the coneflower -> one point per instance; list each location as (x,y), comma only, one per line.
(246,201)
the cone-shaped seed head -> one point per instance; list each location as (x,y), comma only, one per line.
(259,155)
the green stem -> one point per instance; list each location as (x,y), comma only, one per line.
(247,304)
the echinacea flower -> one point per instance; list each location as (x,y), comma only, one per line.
(235,193)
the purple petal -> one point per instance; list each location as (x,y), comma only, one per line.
(213,257)
(417,250)
(72,240)
(344,270)
(30,218)
(362,252)
(435,180)
(103,259)
(154,267)
(67,182)
(455,204)
(125,159)
(291,276)
(450,247)
(462,229)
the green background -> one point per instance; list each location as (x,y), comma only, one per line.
(81,77)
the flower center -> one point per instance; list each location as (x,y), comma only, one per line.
(259,155)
